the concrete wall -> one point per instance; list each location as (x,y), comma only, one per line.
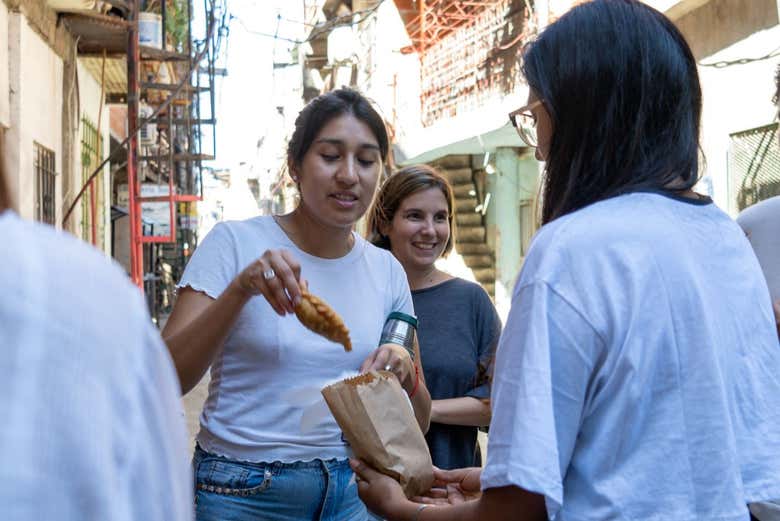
(735,97)
(719,24)
(5,115)
(390,78)
(35,81)
(510,218)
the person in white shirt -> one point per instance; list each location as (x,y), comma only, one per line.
(262,453)
(636,377)
(761,223)
(92,422)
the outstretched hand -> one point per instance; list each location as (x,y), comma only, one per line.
(381,494)
(452,487)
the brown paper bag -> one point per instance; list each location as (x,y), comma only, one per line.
(375,415)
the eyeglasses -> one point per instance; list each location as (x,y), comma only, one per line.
(525,123)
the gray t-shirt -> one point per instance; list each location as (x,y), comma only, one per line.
(458,331)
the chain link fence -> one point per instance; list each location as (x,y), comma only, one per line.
(753,166)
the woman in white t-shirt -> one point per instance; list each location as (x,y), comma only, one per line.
(636,376)
(268,448)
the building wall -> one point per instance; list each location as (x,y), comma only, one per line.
(5,115)
(718,24)
(35,81)
(510,218)
(390,78)
(735,97)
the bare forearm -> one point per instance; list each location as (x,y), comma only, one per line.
(421,403)
(507,504)
(461,411)
(194,346)
(469,511)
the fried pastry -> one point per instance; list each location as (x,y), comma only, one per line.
(316,315)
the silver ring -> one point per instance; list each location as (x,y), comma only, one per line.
(388,367)
(269,274)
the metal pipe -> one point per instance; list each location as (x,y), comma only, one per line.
(134,207)
(164,15)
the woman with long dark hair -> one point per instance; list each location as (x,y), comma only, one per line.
(636,377)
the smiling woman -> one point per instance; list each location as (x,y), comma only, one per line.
(254,455)
(458,325)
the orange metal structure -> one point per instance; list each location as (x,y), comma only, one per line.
(468,50)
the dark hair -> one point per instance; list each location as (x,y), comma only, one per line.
(325,107)
(621,87)
(400,185)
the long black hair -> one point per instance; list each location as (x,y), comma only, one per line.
(621,86)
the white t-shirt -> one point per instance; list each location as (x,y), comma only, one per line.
(637,375)
(92,422)
(254,411)
(761,223)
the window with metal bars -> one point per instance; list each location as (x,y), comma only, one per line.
(92,203)
(45,184)
(753,167)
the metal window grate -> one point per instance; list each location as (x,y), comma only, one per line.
(91,157)
(471,57)
(753,167)
(45,184)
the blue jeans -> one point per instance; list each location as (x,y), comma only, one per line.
(229,490)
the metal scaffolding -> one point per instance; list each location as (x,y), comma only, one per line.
(468,50)
(164,116)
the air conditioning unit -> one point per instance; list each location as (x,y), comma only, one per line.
(147,134)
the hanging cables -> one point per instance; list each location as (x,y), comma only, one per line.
(741,61)
(317,30)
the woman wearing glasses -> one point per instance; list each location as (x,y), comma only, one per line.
(636,377)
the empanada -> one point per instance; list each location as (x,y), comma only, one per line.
(316,315)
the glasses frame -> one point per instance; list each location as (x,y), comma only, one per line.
(528,135)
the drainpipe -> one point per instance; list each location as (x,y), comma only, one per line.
(134,208)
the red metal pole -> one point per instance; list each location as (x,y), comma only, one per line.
(134,207)
(171,199)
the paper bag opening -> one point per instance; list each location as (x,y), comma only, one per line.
(375,415)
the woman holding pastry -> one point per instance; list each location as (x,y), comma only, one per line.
(253,458)
(458,325)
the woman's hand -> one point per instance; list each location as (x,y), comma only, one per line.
(452,487)
(276,276)
(393,358)
(381,494)
(776,307)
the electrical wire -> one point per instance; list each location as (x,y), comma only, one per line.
(340,21)
(741,61)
